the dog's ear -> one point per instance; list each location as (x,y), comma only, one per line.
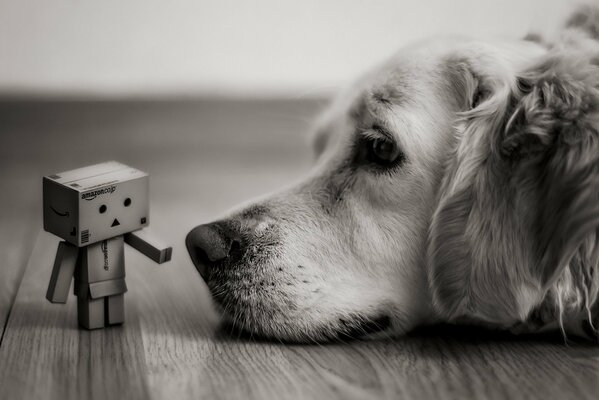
(553,136)
(467,88)
(463,264)
(518,211)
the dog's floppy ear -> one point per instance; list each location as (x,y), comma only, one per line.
(518,214)
(553,134)
(465,280)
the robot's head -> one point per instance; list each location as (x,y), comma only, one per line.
(94,203)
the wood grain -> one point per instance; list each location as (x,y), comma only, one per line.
(18,229)
(171,346)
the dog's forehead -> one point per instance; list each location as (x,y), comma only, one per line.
(392,95)
(411,73)
(376,93)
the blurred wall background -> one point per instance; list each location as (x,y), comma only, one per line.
(157,48)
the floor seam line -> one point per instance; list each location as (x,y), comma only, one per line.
(20,282)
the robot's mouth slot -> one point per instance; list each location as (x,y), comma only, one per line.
(115,223)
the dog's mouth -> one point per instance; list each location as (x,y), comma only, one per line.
(256,306)
(352,328)
(360,328)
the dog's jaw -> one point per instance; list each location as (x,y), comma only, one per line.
(276,291)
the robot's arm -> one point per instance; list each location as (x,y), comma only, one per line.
(149,246)
(62,273)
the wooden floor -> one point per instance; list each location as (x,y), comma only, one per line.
(203,158)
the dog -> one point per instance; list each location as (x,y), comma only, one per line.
(457,183)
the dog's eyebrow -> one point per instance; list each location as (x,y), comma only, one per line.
(382,98)
(366,118)
(374,131)
(383,131)
(370,105)
(364,112)
(387,96)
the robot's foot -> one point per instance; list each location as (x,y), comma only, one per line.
(115,309)
(90,312)
(98,313)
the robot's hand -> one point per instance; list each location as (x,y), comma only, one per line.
(149,246)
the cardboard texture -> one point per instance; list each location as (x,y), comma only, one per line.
(149,246)
(102,261)
(98,313)
(62,273)
(107,288)
(91,204)
(115,306)
(90,312)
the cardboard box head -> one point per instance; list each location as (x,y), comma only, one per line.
(94,203)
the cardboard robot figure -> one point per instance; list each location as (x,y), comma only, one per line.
(96,210)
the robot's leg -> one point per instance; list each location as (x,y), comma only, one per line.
(90,312)
(115,309)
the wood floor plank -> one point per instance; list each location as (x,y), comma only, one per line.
(19,220)
(45,355)
(16,237)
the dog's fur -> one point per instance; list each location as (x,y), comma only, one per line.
(489,215)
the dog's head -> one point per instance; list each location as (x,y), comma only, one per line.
(382,235)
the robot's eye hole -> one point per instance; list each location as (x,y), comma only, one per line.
(127,202)
(102,208)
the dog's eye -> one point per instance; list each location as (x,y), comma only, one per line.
(384,152)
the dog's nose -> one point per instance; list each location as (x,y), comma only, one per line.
(207,244)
